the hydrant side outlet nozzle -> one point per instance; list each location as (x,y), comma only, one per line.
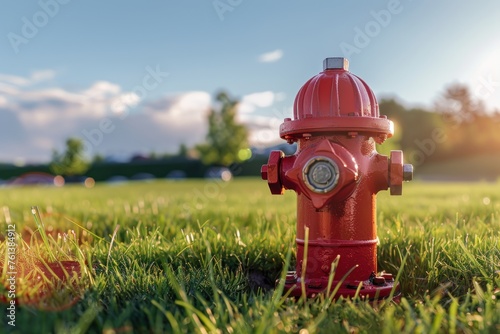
(271,172)
(320,174)
(407,172)
(398,172)
(336,173)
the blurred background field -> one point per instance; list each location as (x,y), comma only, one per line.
(201,255)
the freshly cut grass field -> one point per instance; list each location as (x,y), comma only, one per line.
(202,257)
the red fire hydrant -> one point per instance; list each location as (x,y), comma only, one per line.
(336,173)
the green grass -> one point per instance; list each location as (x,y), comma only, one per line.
(202,257)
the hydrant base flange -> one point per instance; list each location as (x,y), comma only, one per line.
(376,288)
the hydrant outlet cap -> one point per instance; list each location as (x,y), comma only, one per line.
(336,63)
(407,172)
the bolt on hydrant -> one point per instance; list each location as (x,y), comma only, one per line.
(336,173)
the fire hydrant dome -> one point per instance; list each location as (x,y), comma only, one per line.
(335,93)
(335,100)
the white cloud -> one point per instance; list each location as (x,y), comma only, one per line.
(252,101)
(13,80)
(7,89)
(102,89)
(56,107)
(261,99)
(42,75)
(185,111)
(38,120)
(264,130)
(121,104)
(35,77)
(280,97)
(272,56)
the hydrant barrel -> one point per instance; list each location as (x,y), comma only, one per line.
(336,173)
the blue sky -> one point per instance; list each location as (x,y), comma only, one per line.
(137,76)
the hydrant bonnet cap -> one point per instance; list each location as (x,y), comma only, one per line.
(335,100)
(336,63)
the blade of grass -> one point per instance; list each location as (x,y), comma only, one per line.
(111,245)
(86,230)
(176,328)
(304,265)
(41,229)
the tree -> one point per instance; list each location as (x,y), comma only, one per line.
(458,105)
(416,130)
(72,161)
(183,151)
(98,158)
(225,136)
(471,128)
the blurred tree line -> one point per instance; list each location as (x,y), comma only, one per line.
(458,127)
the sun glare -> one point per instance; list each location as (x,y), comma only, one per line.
(485,77)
